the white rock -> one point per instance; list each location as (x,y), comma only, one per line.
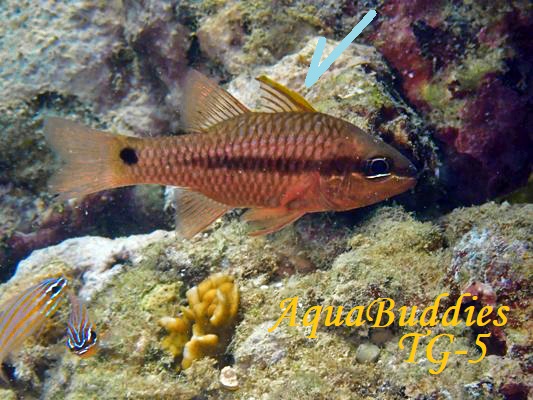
(367,353)
(94,259)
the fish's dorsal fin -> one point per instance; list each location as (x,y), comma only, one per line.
(207,104)
(278,98)
(195,212)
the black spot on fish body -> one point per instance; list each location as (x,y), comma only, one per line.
(129,156)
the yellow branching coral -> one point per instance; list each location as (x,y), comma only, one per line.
(206,325)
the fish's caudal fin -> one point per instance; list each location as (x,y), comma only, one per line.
(92,158)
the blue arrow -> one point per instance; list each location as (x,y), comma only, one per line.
(316,69)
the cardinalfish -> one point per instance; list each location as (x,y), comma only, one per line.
(81,334)
(281,163)
(23,315)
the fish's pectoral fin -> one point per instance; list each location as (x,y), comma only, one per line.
(195,212)
(267,220)
(207,104)
(278,98)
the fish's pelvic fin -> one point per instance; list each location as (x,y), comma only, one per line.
(207,104)
(267,220)
(195,212)
(92,158)
(277,98)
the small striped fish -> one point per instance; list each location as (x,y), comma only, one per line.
(23,315)
(81,335)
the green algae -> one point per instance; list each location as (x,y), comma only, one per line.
(464,76)
(276,31)
(476,66)
(7,394)
(353,92)
(449,88)
(157,301)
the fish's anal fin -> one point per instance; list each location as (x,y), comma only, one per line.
(207,104)
(262,221)
(195,212)
(278,98)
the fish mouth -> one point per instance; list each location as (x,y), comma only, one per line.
(409,182)
(404,183)
(406,178)
(408,171)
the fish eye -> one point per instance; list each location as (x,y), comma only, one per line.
(56,288)
(377,167)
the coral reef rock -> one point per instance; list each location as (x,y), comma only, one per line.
(467,68)
(105,64)
(129,284)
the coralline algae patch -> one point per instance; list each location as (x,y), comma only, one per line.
(465,66)
(206,326)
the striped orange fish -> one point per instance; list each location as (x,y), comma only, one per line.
(81,333)
(282,162)
(24,314)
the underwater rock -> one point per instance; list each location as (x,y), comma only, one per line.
(367,353)
(95,53)
(131,283)
(492,265)
(241,35)
(95,260)
(61,33)
(221,36)
(206,326)
(107,65)
(467,69)
(96,212)
(262,348)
